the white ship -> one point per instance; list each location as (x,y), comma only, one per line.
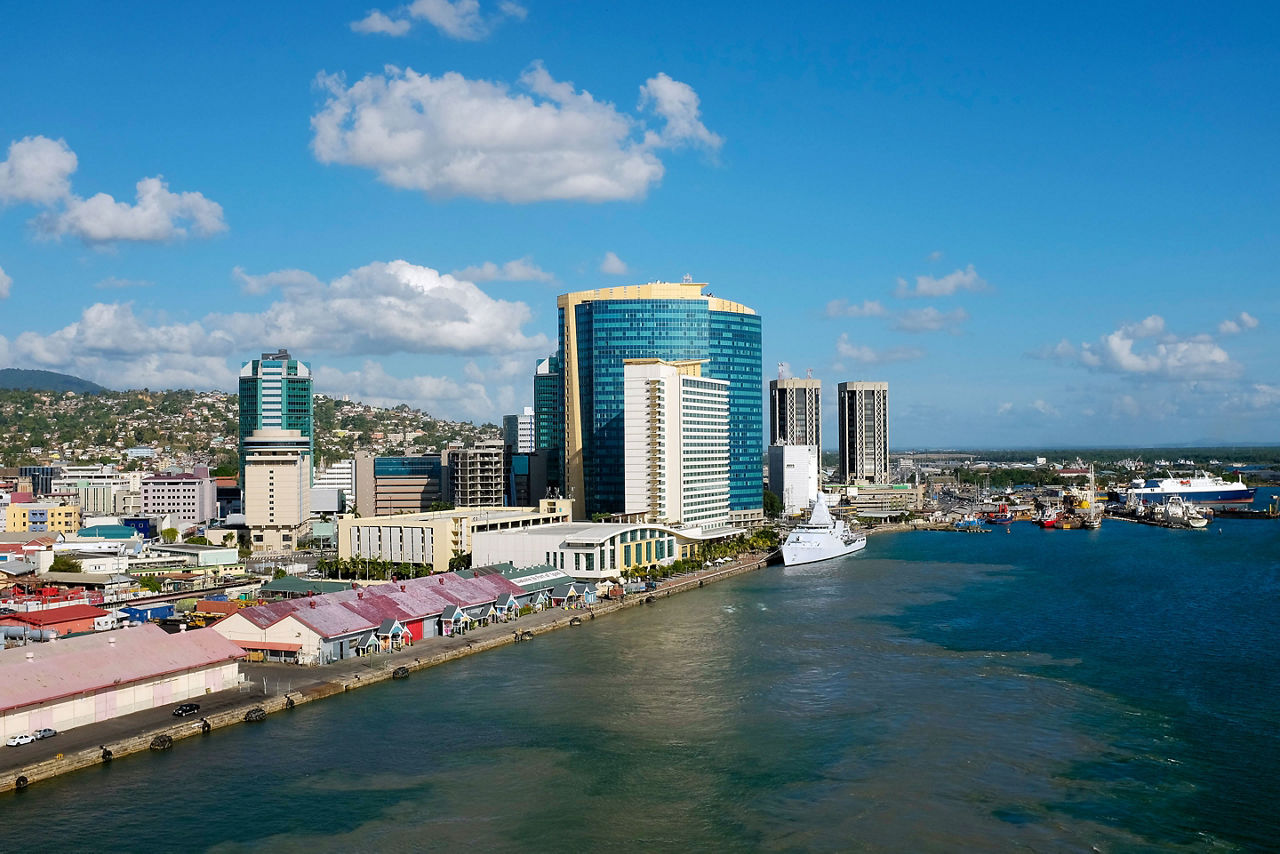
(820,538)
(1202,488)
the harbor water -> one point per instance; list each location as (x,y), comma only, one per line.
(1110,690)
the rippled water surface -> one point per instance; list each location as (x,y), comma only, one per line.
(1037,690)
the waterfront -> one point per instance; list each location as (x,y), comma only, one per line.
(1058,690)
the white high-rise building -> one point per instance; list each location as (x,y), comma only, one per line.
(864,432)
(340,475)
(277,488)
(793,476)
(675,443)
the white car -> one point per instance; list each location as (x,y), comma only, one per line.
(20,739)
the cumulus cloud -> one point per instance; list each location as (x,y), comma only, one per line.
(372,384)
(844,308)
(1045,408)
(934,256)
(380,22)
(928,286)
(381,309)
(158,215)
(1004,408)
(1146,348)
(930,320)
(37,171)
(452,136)
(613,265)
(865,355)
(1234,326)
(519,270)
(385,307)
(678,104)
(5,281)
(463,20)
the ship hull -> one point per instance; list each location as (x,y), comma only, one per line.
(799,554)
(1212,497)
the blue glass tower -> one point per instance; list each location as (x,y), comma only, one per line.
(671,321)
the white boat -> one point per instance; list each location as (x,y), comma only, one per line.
(1201,488)
(1179,514)
(820,538)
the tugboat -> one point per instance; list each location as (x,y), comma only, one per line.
(820,538)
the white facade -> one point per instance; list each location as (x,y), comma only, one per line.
(676,443)
(517,431)
(277,488)
(793,476)
(186,497)
(340,475)
(96,487)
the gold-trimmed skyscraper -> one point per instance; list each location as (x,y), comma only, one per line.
(672,321)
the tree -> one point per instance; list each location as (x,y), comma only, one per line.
(64,563)
(772,505)
(279,573)
(460,562)
(439,505)
(198,541)
(169,535)
(151,583)
(229,538)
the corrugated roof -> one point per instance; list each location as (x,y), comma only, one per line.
(92,662)
(64,614)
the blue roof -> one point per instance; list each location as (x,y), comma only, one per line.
(109,532)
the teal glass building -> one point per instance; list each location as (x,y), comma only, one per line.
(275,393)
(671,321)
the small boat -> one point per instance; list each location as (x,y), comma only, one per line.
(1002,516)
(820,538)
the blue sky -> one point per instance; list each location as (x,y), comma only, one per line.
(1039,225)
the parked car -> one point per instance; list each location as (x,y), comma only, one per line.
(44,733)
(20,739)
(186,709)
(6,612)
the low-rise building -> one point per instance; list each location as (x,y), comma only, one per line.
(94,678)
(593,551)
(190,498)
(435,538)
(793,476)
(38,517)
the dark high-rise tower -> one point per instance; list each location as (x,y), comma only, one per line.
(275,393)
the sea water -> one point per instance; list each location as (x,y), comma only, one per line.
(1111,690)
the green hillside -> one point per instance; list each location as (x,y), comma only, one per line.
(17,378)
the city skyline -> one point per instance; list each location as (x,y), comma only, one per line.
(1046,228)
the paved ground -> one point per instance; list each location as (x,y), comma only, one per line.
(115,729)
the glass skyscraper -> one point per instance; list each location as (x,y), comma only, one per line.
(548,419)
(661,320)
(275,393)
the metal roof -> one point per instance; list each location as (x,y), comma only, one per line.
(90,663)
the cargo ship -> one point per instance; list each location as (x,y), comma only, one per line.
(1201,488)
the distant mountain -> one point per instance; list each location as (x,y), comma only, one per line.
(23,380)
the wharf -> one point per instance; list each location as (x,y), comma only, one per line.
(1152,522)
(95,744)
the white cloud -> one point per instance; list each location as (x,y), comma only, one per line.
(930,320)
(5,281)
(463,20)
(1147,349)
(865,355)
(843,308)
(372,384)
(37,170)
(379,22)
(613,265)
(934,257)
(678,104)
(385,308)
(928,286)
(1045,408)
(1263,396)
(519,270)
(451,136)
(1004,408)
(297,279)
(158,215)
(1239,324)
(1127,406)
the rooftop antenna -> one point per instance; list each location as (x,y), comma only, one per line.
(782,374)
(688,280)
(808,373)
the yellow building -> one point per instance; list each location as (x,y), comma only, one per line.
(434,538)
(43,518)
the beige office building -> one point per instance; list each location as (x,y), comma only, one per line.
(277,488)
